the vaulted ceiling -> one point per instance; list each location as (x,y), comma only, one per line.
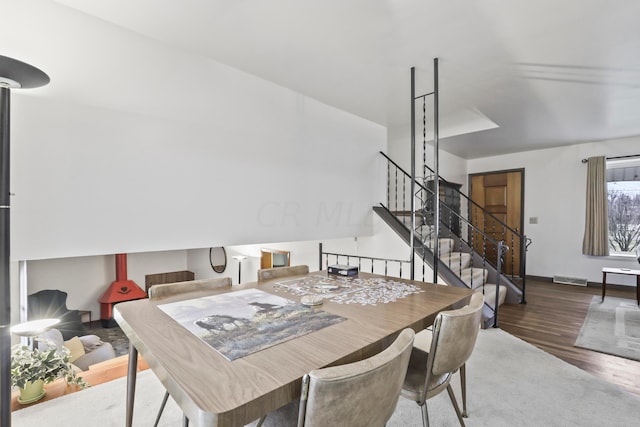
(533,74)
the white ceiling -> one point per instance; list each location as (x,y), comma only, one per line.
(546,72)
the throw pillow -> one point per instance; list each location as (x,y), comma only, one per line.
(75,347)
(90,342)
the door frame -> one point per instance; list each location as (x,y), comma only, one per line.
(522,177)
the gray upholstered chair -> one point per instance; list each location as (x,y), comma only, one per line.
(423,342)
(279,272)
(169,292)
(186,290)
(359,394)
(454,337)
(52,304)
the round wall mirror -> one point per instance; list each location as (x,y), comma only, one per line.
(218,259)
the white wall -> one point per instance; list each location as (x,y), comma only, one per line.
(138,147)
(555,185)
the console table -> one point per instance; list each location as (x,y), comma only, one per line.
(624,271)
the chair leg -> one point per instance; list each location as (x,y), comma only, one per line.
(463,386)
(425,415)
(162,405)
(261,420)
(455,404)
(185,421)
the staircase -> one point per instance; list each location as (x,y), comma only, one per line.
(459,264)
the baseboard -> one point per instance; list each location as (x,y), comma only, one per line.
(589,284)
(540,278)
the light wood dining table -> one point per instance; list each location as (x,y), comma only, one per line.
(213,391)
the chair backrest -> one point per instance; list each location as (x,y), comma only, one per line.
(46,304)
(188,289)
(363,393)
(454,337)
(279,272)
(52,304)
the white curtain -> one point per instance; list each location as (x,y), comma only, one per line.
(596,227)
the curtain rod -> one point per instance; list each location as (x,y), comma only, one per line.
(616,158)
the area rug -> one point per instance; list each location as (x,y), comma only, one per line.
(509,382)
(612,327)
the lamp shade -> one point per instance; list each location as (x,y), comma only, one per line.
(33,327)
(17,74)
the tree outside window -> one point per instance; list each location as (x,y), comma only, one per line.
(623,188)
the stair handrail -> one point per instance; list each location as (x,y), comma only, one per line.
(522,236)
(422,187)
(472,229)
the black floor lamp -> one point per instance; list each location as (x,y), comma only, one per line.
(239,258)
(14,74)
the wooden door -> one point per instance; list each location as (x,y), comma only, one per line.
(501,194)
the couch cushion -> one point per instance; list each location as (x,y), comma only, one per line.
(50,338)
(90,342)
(100,354)
(75,347)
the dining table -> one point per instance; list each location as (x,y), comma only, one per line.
(212,390)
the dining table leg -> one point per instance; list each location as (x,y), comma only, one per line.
(131,382)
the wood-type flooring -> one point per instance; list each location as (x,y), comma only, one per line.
(551,320)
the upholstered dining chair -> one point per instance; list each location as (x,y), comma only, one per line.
(423,342)
(359,394)
(454,337)
(178,291)
(279,272)
(188,289)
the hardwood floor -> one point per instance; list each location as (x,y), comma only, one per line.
(551,320)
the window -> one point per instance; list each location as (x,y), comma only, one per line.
(623,194)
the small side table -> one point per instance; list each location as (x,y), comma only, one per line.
(83,313)
(624,271)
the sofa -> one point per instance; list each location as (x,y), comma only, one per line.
(86,350)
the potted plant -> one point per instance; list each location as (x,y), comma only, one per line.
(32,368)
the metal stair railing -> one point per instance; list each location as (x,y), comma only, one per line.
(467,237)
(506,231)
(427,254)
(386,266)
